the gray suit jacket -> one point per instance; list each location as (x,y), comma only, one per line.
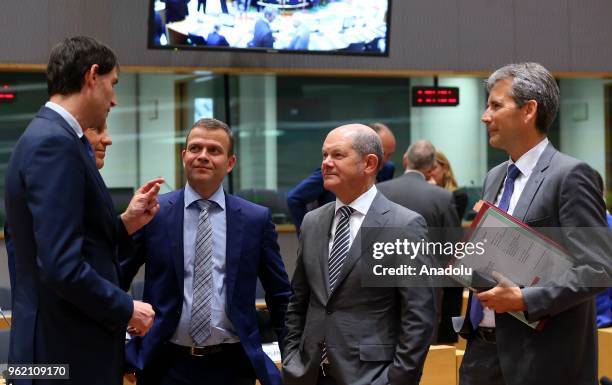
(434,203)
(561,192)
(374,335)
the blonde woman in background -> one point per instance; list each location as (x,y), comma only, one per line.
(442,175)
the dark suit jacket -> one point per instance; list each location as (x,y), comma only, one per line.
(68,307)
(214,38)
(262,35)
(176,10)
(374,335)
(311,190)
(561,192)
(412,191)
(252,252)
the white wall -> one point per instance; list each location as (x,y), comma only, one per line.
(582,121)
(120,162)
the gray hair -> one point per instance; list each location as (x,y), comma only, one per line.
(421,155)
(531,81)
(270,11)
(365,143)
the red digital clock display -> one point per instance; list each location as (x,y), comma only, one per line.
(7,95)
(435,96)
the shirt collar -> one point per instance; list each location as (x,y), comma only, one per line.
(408,171)
(192,196)
(72,122)
(528,160)
(362,203)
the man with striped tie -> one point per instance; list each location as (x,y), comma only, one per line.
(543,188)
(203,254)
(339,331)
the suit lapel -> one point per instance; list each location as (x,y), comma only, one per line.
(374,221)
(534,183)
(323,233)
(233,249)
(174,227)
(491,192)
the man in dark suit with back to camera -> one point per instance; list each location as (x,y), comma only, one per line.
(68,306)
(543,188)
(339,331)
(204,252)
(436,205)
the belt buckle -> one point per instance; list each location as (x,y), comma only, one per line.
(487,335)
(196,351)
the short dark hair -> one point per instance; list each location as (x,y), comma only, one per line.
(70,60)
(213,124)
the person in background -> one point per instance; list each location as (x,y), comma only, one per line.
(216,39)
(262,33)
(443,176)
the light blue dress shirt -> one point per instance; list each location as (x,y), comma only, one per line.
(222,330)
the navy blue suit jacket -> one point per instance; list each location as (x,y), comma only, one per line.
(216,39)
(311,190)
(252,252)
(68,306)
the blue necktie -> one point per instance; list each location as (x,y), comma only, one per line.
(476,313)
(88,148)
(202,297)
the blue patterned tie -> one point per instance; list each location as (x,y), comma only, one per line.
(338,254)
(202,277)
(476,313)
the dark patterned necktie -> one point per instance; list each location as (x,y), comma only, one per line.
(202,277)
(338,254)
(476,313)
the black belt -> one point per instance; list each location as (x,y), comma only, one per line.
(202,351)
(485,334)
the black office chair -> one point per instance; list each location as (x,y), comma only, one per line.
(137,290)
(5,298)
(272,199)
(196,39)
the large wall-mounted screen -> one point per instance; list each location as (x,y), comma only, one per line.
(320,26)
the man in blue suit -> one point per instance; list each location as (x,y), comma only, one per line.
(216,39)
(204,252)
(310,191)
(68,307)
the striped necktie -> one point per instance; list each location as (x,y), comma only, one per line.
(338,254)
(202,277)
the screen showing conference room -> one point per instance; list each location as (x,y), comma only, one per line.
(322,26)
